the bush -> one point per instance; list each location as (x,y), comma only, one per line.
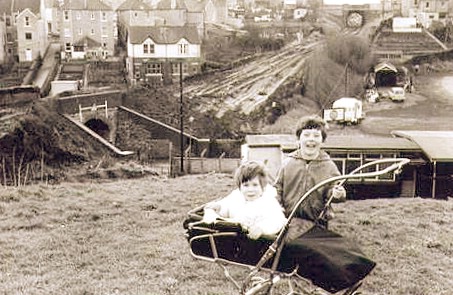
(352,51)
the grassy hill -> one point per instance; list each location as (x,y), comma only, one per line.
(126,237)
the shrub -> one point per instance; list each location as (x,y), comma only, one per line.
(352,51)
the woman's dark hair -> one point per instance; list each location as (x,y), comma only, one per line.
(249,170)
(312,122)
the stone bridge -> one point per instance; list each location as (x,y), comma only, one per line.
(97,111)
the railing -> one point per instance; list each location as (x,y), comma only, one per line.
(201,165)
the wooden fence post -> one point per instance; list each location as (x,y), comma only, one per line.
(220,161)
(170,167)
(203,153)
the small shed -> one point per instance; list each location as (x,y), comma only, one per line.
(434,179)
(269,149)
(385,74)
(348,152)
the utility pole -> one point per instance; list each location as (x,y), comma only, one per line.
(346,81)
(181,119)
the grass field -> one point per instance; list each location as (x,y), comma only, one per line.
(126,237)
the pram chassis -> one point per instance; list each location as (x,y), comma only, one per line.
(265,286)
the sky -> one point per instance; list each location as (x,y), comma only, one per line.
(351,2)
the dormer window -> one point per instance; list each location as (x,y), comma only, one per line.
(148,48)
(183,48)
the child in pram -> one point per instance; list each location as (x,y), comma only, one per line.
(252,204)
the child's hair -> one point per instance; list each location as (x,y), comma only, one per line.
(312,122)
(249,170)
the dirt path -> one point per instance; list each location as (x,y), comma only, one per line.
(429,107)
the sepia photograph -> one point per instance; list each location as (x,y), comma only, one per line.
(226,147)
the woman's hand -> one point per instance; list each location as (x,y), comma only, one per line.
(338,193)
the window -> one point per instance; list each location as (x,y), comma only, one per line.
(104,32)
(92,31)
(78,16)
(28,36)
(27,21)
(148,48)
(104,16)
(8,21)
(183,48)
(66,15)
(427,4)
(92,16)
(68,46)
(80,31)
(153,68)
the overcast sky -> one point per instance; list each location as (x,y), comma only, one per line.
(352,2)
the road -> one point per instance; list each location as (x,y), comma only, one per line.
(429,107)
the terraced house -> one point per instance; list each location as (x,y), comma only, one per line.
(88,29)
(24,35)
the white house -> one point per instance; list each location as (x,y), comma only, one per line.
(31,36)
(156,53)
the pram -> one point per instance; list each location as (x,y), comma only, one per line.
(319,258)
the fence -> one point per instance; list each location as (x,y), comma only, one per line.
(200,165)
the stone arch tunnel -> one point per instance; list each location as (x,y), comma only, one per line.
(99,126)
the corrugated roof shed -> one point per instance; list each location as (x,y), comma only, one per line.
(437,145)
(370,142)
(336,142)
(164,35)
(271,140)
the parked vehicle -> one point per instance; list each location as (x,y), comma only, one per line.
(397,94)
(345,110)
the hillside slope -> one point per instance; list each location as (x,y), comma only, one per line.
(126,237)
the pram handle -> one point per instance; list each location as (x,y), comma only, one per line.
(398,163)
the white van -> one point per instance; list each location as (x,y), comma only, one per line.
(345,110)
(397,94)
